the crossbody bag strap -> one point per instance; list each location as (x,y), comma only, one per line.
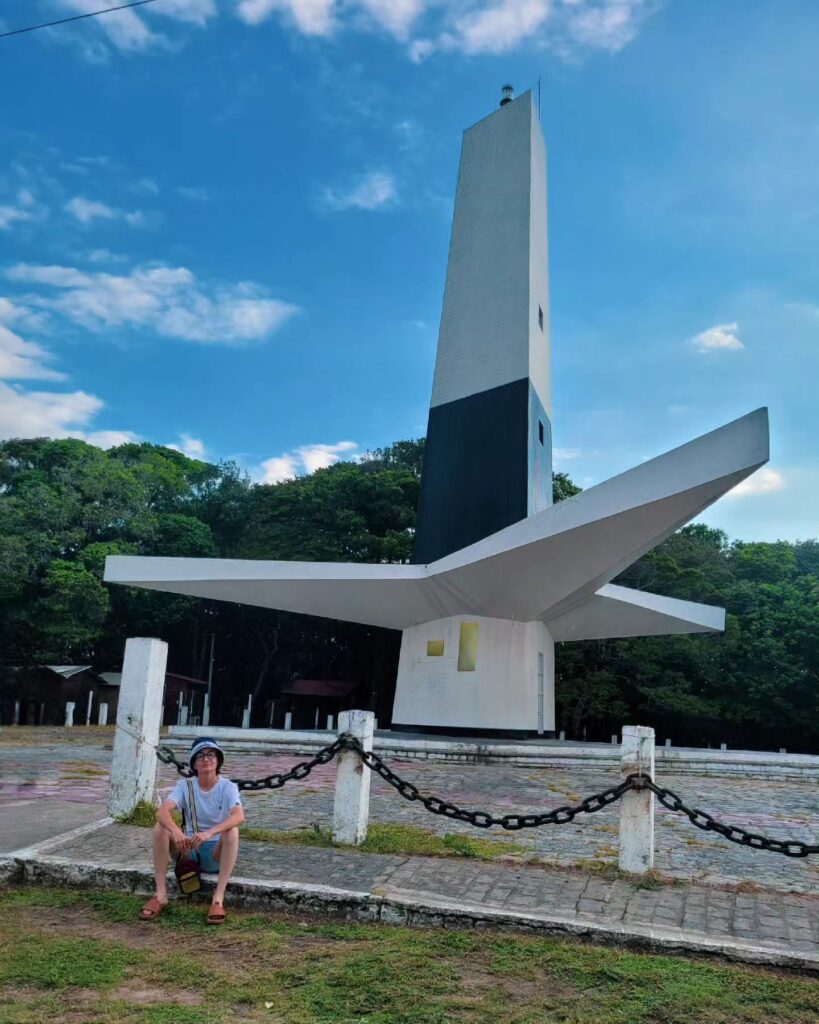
(192,806)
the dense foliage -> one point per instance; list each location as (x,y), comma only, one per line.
(65,505)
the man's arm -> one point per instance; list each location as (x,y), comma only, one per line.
(163,817)
(233,820)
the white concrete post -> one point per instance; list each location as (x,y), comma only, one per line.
(315,724)
(562,736)
(668,743)
(329,723)
(723,746)
(183,714)
(246,712)
(139,716)
(288,720)
(206,712)
(614,740)
(637,807)
(351,807)
(17,712)
(88,707)
(102,714)
(69,713)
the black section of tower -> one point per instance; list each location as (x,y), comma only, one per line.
(476,470)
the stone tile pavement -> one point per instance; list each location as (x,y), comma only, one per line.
(755,926)
(77,771)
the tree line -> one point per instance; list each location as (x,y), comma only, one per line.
(65,505)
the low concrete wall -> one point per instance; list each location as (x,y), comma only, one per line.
(535,753)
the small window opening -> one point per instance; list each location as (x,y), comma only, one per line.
(435,648)
(468,647)
(540,316)
(540,431)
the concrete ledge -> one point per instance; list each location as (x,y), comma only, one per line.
(534,753)
(411,909)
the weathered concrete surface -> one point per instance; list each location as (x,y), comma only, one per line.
(561,754)
(753,927)
(72,765)
(26,822)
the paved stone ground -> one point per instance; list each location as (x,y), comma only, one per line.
(759,926)
(73,766)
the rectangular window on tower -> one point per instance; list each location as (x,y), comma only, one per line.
(468,647)
(540,317)
(540,431)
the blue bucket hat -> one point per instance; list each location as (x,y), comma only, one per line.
(206,743)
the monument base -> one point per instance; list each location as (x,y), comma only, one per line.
(489,734)
(476,676)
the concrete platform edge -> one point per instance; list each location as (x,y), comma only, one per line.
(406,908)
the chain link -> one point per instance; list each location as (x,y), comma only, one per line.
(483,819)
(733,833)
(513,822)
(274,781)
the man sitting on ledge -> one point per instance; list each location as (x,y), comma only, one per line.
(218,813)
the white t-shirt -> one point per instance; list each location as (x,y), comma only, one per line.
(212,807)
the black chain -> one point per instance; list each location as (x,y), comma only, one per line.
(483,819)
(513,822)
(708,823)
(274,781)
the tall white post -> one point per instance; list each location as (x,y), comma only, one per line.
(288,720)
(351,807)
(69,713)
(637,807)
(102,714)
(316,722)
(329,723)
(246,712)
(88,707)
(139,716)
(206,712)
(17,712)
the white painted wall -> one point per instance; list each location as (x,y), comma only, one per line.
(502,693)
(496,271)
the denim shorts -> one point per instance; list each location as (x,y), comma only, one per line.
(207,861)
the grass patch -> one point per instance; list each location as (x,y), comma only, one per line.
(144,815)
(396,839)
(104,966)
(48,961)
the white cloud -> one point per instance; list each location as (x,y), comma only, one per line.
(23,360)
(193,447)
(373,191)
(764,481)
(168,300)
(311,17)
(125,29)
(396,16)
(497,27)
(147,185)
(87,210)
(306,459)
(607,25)
(103,256)
(196,12)
(22,210)
(44,413)
(720,338)
(107,438)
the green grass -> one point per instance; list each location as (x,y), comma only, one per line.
(144,815)
(80,948)
(398,839)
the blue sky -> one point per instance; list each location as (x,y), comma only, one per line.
(224,224)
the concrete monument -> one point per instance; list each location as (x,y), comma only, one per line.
(500,573)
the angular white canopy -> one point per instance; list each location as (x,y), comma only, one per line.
(554,566)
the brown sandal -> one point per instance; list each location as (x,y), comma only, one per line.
(216,914)
(152,909)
